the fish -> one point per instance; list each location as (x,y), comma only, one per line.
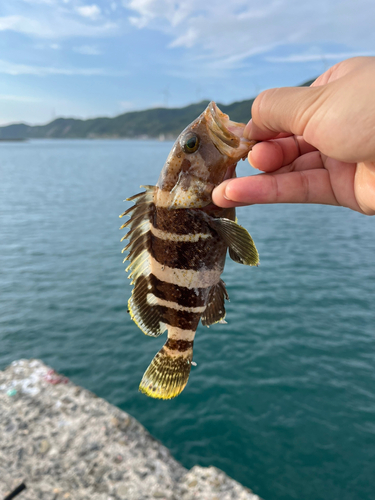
(178,241)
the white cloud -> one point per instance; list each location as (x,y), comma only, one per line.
(59,25)
(18,98)
(10,23)
(169,10)
(15,69)
(90,11)
(233,31)
(312,57)
(89,50)
(35,2)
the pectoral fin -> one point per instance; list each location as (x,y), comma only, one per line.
(241,245)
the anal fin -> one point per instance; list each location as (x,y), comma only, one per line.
(215,309)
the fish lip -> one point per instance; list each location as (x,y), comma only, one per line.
(227,135)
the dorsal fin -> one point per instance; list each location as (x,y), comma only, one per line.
(141,311)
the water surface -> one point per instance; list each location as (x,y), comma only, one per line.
(283,396)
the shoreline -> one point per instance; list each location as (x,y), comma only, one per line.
(64,442)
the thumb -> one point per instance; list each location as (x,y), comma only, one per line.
(284,110)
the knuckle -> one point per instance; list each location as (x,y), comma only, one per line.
(305,187)
(261,108)
(275,189)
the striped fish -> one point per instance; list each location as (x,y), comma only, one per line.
(178,240)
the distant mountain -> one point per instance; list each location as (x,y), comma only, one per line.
(154,123)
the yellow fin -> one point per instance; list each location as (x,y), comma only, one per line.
(168,374)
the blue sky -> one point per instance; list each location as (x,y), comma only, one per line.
(86,58)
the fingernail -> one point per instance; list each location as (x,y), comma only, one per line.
(249,158)
(247,129)
(225,195)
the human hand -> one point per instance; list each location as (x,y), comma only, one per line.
(319,143)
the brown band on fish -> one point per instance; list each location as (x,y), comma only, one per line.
(179,221)
(179,345)
(183,296)
(183,319)
(194,255)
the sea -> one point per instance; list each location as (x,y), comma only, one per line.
(283,396)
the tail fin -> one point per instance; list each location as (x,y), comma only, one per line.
(169,371)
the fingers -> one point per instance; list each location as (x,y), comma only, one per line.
(341,69)
(306,186)
(286,109)
(308,161)
(336,115)
(271,155)
(365,187)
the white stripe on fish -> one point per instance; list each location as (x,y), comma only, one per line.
(188,278)
(191,237)
(176,333)
(153,300)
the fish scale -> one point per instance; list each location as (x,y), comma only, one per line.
(178,242)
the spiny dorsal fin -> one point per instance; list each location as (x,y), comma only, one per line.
(215,309)
(139,223)
(241,245)
(142,313)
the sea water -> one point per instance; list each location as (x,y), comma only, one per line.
(282,397)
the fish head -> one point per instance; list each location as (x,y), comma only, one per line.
(204,154)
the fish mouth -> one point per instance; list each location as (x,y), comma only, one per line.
(226,134)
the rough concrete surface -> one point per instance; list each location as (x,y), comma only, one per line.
(66,443)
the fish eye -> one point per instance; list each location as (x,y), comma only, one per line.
(190,142)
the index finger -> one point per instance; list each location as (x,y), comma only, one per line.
(305,186)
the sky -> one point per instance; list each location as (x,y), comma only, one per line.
(84,58)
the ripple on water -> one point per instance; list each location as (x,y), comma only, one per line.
(283,395)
